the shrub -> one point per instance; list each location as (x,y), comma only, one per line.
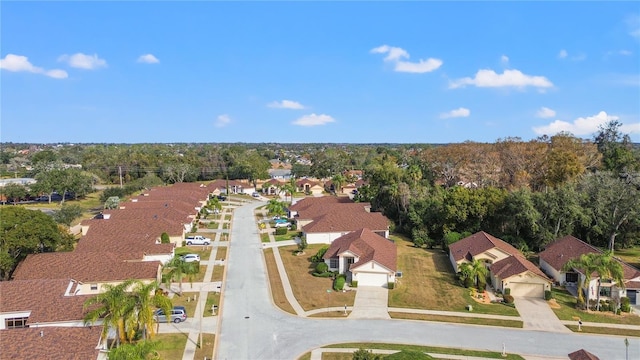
(338,284)
(354,283)
(468,282)
(184,243)
(293,226)
(507,291)
(391,285)
(318,256)
(625,304)
(281,231)
(322,268)
(508,299)
(580,304)
(547,295)
(164,238)
(327,274)
(482,284)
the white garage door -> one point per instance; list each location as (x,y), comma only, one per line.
(527,290)
(371,279)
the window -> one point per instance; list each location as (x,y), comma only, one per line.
(350,260)
(94,287)
(572,277)
(15,323)
(605,291)
(333,263)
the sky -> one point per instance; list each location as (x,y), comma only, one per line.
(316,72)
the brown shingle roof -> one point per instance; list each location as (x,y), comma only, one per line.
(514,265)
(85,267)
(342,221)
(46,299)
(582,354)
(51,343)
(368,246)
(478,243)
(559,252)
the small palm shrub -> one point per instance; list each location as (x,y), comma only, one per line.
(625,304)
(322,268)
(338,284)
(547,295)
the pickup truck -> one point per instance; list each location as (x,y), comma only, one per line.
(197,240)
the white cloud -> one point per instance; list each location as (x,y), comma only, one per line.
(633,23)
(583,125)
(624,52)
(563,54)
(459,112)
(514,78)
(313,120)
(286,104)
(504,59)
(545,113)
(82,61)
(148,59)
(17,63)
(222,120)
(396,54)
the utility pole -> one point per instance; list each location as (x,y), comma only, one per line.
(120,172)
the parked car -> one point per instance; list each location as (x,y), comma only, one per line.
(197,240)
(282,224)
(222,198)
(178,315)
(255,194)
(190,257)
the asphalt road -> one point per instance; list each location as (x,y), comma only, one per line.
(253,328)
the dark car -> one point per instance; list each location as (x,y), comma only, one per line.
(222,198)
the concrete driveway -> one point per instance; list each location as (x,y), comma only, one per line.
(537,315)
(371,303)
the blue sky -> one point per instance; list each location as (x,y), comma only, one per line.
(353,72)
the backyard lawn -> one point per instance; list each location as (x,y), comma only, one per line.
(428,282)
(171,346)
(631,256)
(310,291)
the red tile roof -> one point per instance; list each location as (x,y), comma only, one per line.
(368,246)
(46,299)
(72,343)
(514,265)
(582,354)
(477,244)
(345,220)
(85,267)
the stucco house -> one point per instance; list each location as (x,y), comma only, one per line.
(363,256)
(508,268)
(558,253)
(309,187)
(324,219)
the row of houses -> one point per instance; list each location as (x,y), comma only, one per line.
(508,267)
(41,308)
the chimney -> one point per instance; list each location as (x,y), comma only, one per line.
(367,208)
(41,333)
(106,216)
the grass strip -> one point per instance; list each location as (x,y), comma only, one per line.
(457,319)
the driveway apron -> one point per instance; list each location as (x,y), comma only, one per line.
(371,303)
(537,315)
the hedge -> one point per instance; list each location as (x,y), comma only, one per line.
(338,284)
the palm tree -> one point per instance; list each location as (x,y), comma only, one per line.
(178,268)
(275,207)
(113,306)
(147,297)
(289,188)
(603,265)
(337,181)
(475,270)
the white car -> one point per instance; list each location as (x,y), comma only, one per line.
(190,257)
(282,224)
(197,240)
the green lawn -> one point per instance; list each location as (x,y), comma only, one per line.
(203,251)
(567,311)
(630,256)
(182,300)
(213,298)
(290,235)
(206,349)
(428,282)
(264,237)
(457,319)
(171,346)
(213,225)
(429,349)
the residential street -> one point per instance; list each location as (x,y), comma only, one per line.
(251,327)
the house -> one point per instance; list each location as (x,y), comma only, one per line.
(558,253)
(324,219)
(508,268)
(520,275)
(73,343)
(22,303)
(91,270)
(582,354)
(309,187)
(479,246)
(280,174)
(363,256)
(272,186)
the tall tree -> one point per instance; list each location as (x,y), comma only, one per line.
(24,232)
(146,298)
(179,268)
(112,306)
(13,192)
(616,148)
